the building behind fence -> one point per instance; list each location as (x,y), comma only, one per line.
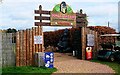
(7,49)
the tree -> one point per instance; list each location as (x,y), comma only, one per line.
(11,30)
(103,29)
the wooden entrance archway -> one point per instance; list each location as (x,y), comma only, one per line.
(25,47)
(81,22)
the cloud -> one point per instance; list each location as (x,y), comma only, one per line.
(53,1)
(20,14)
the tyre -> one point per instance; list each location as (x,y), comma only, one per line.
(112,58)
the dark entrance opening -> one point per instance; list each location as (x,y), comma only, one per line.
(77,43)
(71,42)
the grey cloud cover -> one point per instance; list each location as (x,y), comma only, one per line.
(20,14)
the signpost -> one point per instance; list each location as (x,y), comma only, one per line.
(49,59)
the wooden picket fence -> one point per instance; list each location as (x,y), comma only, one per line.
(25,47)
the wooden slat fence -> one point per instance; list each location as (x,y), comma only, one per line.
(25,47)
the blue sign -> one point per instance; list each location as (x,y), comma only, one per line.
(49,59)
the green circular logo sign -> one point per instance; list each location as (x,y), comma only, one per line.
(63,8)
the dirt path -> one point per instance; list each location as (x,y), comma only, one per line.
(69,64)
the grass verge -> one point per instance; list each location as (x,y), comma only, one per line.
(28,70)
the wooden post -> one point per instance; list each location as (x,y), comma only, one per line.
(24,47)
(40,8)
(39,31)
(17,49)
(21,52)
(42,47)
(96,43)
(33,45)
(83,42)
(30,47)
(36,34)
(27,36)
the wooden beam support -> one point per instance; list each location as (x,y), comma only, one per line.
(42,24)
(41,18)
(41,12)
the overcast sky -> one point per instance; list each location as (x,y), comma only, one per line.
(20,14)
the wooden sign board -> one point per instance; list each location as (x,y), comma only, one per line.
(63,19)
(38,39)
(90,40)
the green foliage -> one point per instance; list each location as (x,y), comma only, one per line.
(107,45)
(102,29)
(11,30)
(52,38)
(28,70)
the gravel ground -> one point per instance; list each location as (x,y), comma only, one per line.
(69,64)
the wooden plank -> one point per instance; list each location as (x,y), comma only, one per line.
(42,47)
(41,12)
(17,48)
(39,46)
(27,36)
(96,41)
(41,18)
(83,42)
(80,20)
(80,24)
(42,24)
(81,15)
(40,34)
(33,45)
(21,52)
(36,34)
(24,47)
(30,46)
